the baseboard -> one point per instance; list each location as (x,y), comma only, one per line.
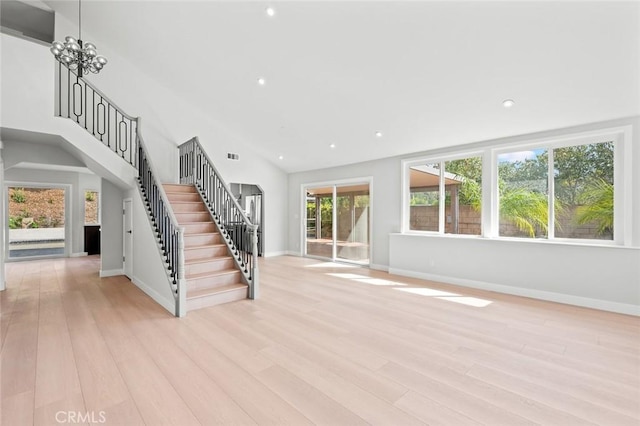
(111,273)
(293,253)
(275,254)
(80,254)
(604,305)
(383,268)
(169,305)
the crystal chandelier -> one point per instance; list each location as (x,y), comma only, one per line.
(76,55)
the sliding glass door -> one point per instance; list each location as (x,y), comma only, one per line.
(338,222)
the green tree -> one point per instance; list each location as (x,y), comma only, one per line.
(579,168)
(469,171)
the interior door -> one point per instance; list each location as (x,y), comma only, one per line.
(127,217)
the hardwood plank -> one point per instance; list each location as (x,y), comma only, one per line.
(57,383)
(328,344)
(101,381)
(463,403)
(17,409)
(357,400)
(580,385)
(549,396)
(319,408)
(383,388)
(431,412)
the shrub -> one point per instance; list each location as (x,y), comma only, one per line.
(18,195)
(15,222)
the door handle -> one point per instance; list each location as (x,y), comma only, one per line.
(128,232)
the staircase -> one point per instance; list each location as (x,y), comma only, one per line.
(212,276)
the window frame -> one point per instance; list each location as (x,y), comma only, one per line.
(406,191)
(621,138)
(98,207)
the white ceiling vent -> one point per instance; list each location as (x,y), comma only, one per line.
(232,156)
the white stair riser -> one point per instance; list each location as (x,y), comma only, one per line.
(213,282)
(183,196)
(193,217)
(210,266)
(168,187)
(188,207)
(200,228)
(202,240)
(216,299)
(205,252)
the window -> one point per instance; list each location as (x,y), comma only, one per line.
(523,190)
(568,188)
(583,191)
(563,192)
(446,196)
(91,208)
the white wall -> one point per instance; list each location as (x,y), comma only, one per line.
(611,277)
(39,153)
(111,231)
(148,268)
(594,276)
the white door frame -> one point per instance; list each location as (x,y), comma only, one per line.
(127,228)
(335,183)
(68,216)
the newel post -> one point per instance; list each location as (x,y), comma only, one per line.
(254,290)
(181,301)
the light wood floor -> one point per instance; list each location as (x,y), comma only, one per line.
(323,345)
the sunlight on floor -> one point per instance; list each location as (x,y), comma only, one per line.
(331,265)
(366,280)
(422,291)
(450,297)
(428,292)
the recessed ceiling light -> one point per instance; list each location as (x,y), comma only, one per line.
(281,157)
(270,11)
(333,145)
(378,134)
(508,103)
(262,81)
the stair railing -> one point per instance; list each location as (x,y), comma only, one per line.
(78,100)
(169,235)
(240,235)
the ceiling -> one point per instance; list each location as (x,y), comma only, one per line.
(425,74)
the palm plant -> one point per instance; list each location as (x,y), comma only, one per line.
(527,210)
(597,206)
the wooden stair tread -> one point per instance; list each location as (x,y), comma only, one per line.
(204,234)
(208,259)
(212,274)
(217,290)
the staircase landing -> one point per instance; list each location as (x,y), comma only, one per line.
(211,273)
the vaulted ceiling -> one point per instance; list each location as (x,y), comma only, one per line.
(424,74)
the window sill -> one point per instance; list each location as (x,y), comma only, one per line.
(556,242)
